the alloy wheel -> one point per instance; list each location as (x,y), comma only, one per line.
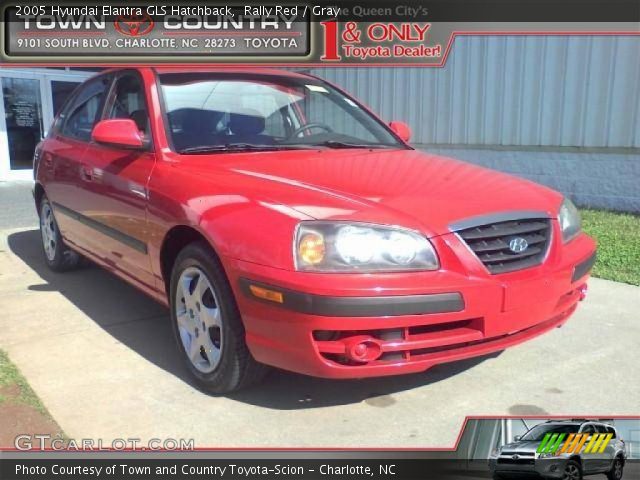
(571,472)
(617,469)
(48,232)
(199,319)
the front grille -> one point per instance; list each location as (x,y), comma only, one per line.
(517,461)
(490,243)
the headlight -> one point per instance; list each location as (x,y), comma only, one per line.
(496,452)
(569,218)
(546,455)
(360,247)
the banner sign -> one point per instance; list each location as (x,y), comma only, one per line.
(413,33)
(145,468)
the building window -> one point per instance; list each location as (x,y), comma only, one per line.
(23,116)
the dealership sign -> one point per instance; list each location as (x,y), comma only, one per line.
(157,30)
(411,33)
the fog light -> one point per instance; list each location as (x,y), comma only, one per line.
(362,349)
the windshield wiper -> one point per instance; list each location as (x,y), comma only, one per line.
(337,144)
(237,147)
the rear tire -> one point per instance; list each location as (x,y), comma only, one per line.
(617,469)
(207,325)
(57,255)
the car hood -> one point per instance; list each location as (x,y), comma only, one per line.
(398,187)
(524,446)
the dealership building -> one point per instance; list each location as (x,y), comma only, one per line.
(31,97)
(562,111)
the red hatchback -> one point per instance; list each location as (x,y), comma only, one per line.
(284,224)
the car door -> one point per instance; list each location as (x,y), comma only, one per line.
(61,159)
(589,461)
(115,181)
(605,458)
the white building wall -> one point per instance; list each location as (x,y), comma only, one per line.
(560,110)
(513,91)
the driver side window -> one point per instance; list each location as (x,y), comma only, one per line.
(129,102)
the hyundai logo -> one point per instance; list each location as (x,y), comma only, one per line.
(516,456)
(518,245)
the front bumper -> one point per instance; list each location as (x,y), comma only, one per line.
(362,325)
(551,467)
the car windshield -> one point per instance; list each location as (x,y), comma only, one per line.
(222,111)
(537,433)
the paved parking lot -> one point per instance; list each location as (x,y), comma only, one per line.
(101,357)
(16,205)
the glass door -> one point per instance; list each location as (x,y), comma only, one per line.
(22,102)
(60,91)
(30,100)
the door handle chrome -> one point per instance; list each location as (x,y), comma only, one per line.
(87,173)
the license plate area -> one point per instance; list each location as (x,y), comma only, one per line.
(531,293)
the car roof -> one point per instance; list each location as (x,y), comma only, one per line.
(577,422)
(232,69)
(564,422)
(270,72)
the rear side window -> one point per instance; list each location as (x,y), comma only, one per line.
(84,111)
(612,431)
(588,429)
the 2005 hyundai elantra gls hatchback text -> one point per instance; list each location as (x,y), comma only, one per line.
(286,225)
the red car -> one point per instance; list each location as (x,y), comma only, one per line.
(284,224)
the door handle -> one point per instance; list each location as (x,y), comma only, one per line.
(86,173)
(47,159)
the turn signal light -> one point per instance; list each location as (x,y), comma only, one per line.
(266,294)
(311,248)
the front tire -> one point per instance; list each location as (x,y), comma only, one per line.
(207,325)
(617,469)
(58,256)
(572,471)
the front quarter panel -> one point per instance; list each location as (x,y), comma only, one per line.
(253,231)
(234,217)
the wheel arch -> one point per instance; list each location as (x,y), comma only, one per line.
(176,239)
(38,195)
(577,459)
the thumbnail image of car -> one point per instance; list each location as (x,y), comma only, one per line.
(284,224)
(575,454)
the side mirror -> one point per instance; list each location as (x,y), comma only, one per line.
(517,438)
(401,129)
(120,132)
